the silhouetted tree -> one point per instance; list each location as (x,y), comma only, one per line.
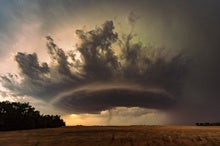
(16,115)
(208,124)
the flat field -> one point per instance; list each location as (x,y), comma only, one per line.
(114,136)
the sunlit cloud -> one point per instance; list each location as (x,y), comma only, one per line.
(120,116)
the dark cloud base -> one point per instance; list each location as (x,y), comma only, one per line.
(94,100)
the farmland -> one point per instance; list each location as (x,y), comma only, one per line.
(114,136)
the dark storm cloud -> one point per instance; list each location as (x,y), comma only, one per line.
(201,91)
(101,64)
(40,81)
(194,86)
(100,60)
(8,81)
(29,65)
(106,97)
(58,55)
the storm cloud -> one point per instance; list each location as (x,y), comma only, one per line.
(101,64)
(98,97)
(148,54)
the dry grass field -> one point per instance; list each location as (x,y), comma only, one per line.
(114,136)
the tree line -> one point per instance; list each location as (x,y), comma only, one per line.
(18,116)
(208,124)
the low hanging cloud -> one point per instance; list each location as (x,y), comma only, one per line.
(98,97)
(112,72)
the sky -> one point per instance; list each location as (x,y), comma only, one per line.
(115,62)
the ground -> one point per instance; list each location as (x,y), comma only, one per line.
(114,136)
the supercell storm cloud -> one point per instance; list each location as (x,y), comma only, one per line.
(116,56)
(159,80)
